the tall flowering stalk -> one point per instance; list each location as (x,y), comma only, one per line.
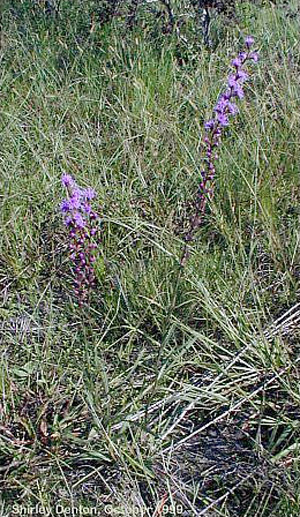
(214,129)
(82,224)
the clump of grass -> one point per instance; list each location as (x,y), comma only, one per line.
(122,402)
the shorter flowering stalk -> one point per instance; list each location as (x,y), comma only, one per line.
(82,224)
(214,128)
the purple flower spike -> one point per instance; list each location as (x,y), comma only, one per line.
(82,222)
(214,129)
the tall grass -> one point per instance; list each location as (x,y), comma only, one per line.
(161,393)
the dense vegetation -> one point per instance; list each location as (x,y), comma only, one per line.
(175,389)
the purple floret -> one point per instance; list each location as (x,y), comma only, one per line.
(65,206)
(78,220)
(222,119)
(236,62)
(242,76)
(89,194)
(254,56)
(238,91)
(232,80)
(221,105)
(249,40)
(67,180)
(232,108)
(243,56)
(86,207)
(209,124)
(75,200)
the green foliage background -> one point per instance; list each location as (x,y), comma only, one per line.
(95,401)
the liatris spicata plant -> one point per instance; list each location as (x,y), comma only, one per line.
(82,224)
(214,129)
